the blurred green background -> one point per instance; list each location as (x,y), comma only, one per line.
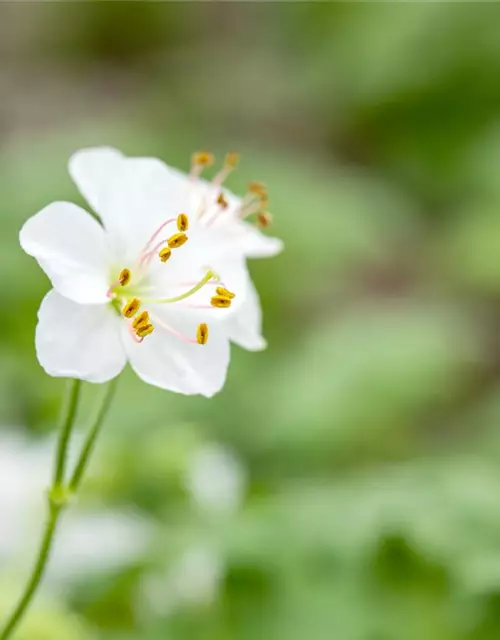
(346,482)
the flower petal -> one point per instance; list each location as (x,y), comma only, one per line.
(79,341)
(254,243)
(244,327)
(141,195)
(93,170)
(71,248)
(165,361)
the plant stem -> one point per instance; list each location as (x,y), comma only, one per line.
(38,571)
(55,505)
(59,494)
(91,438)
(68,419)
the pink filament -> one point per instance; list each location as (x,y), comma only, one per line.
(147,256)
(109,292)
(248,207)
(144,251)
(188,305)
(213,217)
(174,332)
(135,337)
(221,176)
(195,172)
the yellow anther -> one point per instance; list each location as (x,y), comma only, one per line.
(177,240)
(222,291)
(165,254)
(202,158)
(258,189)
(141,320)
(221,302)
(232,159)
(124,277)
(144,330)
(221,201)
(264,219)
(182,222)
(202,333)
(131,308)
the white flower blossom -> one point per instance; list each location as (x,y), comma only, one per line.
(209,205)
(156,284)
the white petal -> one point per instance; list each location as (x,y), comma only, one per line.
(142,194)
(244,327)
(79,341)
(165,361)
(256,244)
(93,170)
(71,248)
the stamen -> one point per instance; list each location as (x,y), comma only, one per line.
(131,308)
(230,163)
(202,333)
(141,320)
(221,201)
(144,330)
(123,280)
(222,291)
(255,200)
(199,161)
(264,219)
(232,159)
(160,228)
(221,302)
(221,204)
(208,276)
(182,222)
(165,254)
(257,189)
(133,335)
(202,158)
(177,240)
(124,277)
(174,332)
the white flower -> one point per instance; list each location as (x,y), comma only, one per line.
(208,204)
(150,286)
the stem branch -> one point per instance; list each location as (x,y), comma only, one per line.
(91,438)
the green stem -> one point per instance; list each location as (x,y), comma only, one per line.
(91,438)
(69,413)
(56,504)
(59,494)
(38,571)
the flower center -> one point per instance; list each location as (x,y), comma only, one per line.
(126,295)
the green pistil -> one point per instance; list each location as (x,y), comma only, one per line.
(208,276)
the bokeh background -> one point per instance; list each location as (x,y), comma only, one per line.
(346,482)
